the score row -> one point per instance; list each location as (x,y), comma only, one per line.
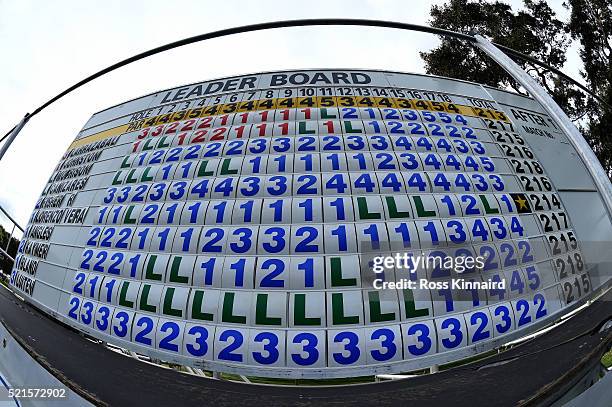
(333,183)
(316,238)
(312,115)
(312,348)
(322,209)
(321,129)
(327,162)
(314,271)
(177,150)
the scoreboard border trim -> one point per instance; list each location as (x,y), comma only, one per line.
(421,362)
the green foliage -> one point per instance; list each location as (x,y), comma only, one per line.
(591,24)
(5,263)
(535,31)
(606,359)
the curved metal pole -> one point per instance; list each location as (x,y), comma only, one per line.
(599,175)
(241,30)
(267,26)
(12,134)
(525,57)
(258,27)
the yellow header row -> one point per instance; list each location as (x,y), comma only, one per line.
(300,103)
(325,102)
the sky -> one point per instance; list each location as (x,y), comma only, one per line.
(48,46)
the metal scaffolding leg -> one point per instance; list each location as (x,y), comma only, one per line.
(600,177)
(14,134)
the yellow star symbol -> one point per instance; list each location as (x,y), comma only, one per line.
(522,203)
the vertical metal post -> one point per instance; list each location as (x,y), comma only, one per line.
(600,177)
(4,252)
(9,239)
(13,134)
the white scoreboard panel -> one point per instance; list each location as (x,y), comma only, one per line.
(227,224)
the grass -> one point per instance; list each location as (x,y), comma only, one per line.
(354,380)
(313,382)
(606,359)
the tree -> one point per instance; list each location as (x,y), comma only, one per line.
(6,264)
(591,24)
(534,31)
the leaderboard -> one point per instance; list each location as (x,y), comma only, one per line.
(231,225)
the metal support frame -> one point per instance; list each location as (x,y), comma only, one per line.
(469,38)
(496,52)
(4,251)
(13,134)
(600,177)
